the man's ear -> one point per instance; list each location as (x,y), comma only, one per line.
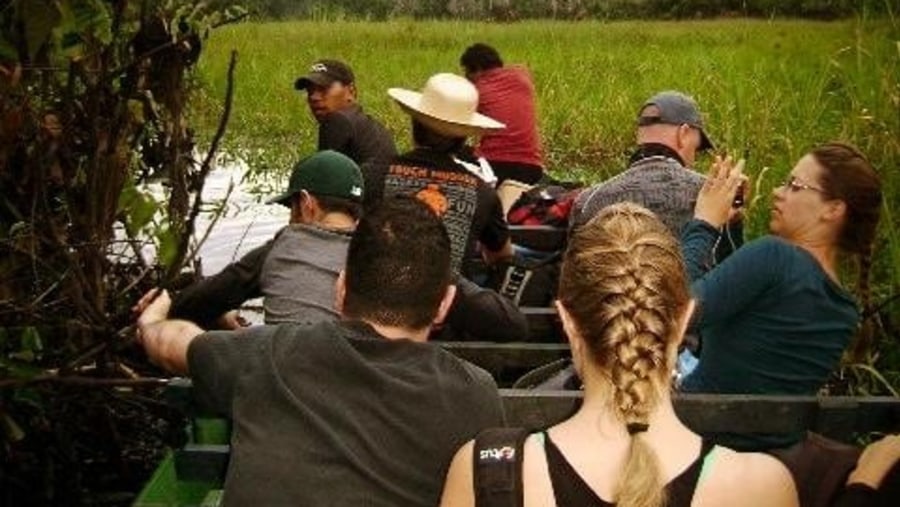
(340,292)
(352,89)
(682,136)
(296,207)
(446,303)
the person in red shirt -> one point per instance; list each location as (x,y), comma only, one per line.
(507,94)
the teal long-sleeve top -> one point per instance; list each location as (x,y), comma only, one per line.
(771,321)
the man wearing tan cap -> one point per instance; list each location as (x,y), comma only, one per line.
(331,94)
(670,132)
(442,171)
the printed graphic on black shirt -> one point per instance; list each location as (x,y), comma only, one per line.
(451,195)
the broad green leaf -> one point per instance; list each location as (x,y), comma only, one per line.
(16,368)
(95,16)
(136,109)
(8,51)
(82,20)
(39,17)
(31,342)
(11,428)
(167,242)
(138,207)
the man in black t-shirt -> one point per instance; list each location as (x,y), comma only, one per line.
(442,172)
(343,126)
(358,412)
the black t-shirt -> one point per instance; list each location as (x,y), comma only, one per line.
(362,138)
(469,208)
(335,414)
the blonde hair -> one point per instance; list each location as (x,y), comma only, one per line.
(624,284)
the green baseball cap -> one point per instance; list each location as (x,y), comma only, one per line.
(327,173)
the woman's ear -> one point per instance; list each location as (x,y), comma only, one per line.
(685,320)
(836,211)
(576,341)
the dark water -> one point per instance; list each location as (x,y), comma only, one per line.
(247,222)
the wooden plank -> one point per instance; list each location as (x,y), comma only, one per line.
(543,324)
(840,418)
(836,417)
(498,357)
(202,463)
(546,238)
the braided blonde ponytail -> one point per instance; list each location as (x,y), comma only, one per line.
(624,284)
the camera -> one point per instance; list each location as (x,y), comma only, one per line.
(738,201)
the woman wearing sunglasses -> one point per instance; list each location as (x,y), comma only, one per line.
(774,318)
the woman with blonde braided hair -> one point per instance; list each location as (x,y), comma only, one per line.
(774,318)
(624,304)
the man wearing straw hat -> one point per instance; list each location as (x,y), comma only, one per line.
(295,272)
(439,170)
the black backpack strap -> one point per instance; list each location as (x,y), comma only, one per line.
(497,461)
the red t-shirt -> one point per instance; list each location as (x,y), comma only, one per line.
(506,94)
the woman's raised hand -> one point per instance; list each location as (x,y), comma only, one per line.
(724,181)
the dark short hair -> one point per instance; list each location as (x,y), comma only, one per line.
(339,205)
(428,137)
(480,56)
(398,265)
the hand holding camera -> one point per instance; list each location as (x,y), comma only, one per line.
(723,191)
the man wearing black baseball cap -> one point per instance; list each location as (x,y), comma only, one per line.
(343,126)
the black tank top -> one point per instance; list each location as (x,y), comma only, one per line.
(569,488)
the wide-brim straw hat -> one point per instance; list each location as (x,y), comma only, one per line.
(447,105)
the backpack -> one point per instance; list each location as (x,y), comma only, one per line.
(543,205)
(497,467)
(533,284)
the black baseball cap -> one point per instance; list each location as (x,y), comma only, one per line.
(675,108)
(325,72)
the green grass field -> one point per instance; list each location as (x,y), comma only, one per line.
(774,88)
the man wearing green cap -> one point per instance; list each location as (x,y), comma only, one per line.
(295,270)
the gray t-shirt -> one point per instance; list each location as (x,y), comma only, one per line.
(659,183)
(335,414)
(299,273)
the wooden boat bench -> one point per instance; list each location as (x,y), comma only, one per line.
(842,418)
